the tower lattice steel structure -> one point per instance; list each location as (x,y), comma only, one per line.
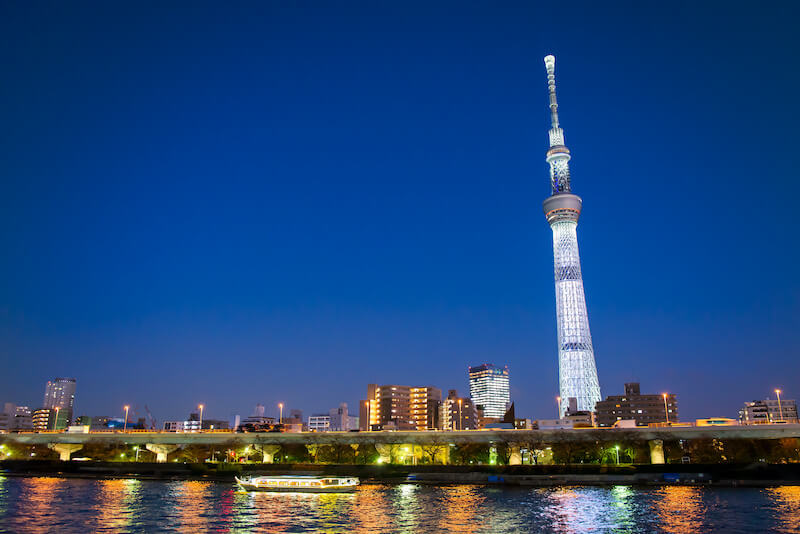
(576,367)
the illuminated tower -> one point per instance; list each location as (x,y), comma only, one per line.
(577,374)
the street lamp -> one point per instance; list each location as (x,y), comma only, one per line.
(558,407)
(280,418)
(125,423)
(616,447)
(460,424)
(780,408)
(666,412)
(136,448)
(201,416)
(55,421)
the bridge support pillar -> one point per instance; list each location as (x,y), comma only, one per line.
(656,451)
(445,455)
(268,452)
(65,450)
(385,451)
(161,450)
(515,458)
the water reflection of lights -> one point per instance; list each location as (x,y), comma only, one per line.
(37,506)
(41,505)
(787,507)
(622,500)
(680,509)
(193,501)
(582,509)
(289,511)
(3,498)
(460,509)
(115,504)
(372,511)
(407,507)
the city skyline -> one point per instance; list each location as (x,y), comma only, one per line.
(485,391)
(291,205)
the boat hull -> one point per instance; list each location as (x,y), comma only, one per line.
(299,484)
(298,489)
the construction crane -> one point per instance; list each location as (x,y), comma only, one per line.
(150,419)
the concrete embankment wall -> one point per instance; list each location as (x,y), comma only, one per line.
(553,475)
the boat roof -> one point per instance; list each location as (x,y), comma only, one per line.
(299,476)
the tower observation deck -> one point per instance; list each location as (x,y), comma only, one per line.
(577,373)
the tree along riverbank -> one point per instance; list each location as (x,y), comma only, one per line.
(754,474)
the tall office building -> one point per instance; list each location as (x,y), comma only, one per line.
(488,387)
(60,393)
(576,365)
(59,397)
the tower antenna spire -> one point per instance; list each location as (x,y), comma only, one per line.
(558,155)
(550,65)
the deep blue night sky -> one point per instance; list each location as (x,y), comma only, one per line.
(284,202)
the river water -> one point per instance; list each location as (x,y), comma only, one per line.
(43,504)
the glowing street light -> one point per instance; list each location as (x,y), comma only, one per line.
(558,407)
(201,406)
(460,424)
(780,408)
(616,447)
(125,423)
(55,421)
(666,412)
(280,417)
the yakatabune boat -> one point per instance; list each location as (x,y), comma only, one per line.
(308,484)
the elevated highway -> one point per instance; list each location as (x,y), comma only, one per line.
(162,443)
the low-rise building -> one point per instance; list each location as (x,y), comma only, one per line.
(95,422)
(43,419)
(173,426)
(633,405)
(216,424)
(458,413)
(341,420)
(258,418)
(15,418)
(553,424)
(768,411)
(319,423)
(579,418)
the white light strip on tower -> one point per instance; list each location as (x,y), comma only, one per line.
(576,365)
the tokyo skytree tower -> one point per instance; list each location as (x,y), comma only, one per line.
(577,373)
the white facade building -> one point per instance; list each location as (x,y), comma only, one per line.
(319,423)
(768,411)
(15,418)
(337,420)
(173,426)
